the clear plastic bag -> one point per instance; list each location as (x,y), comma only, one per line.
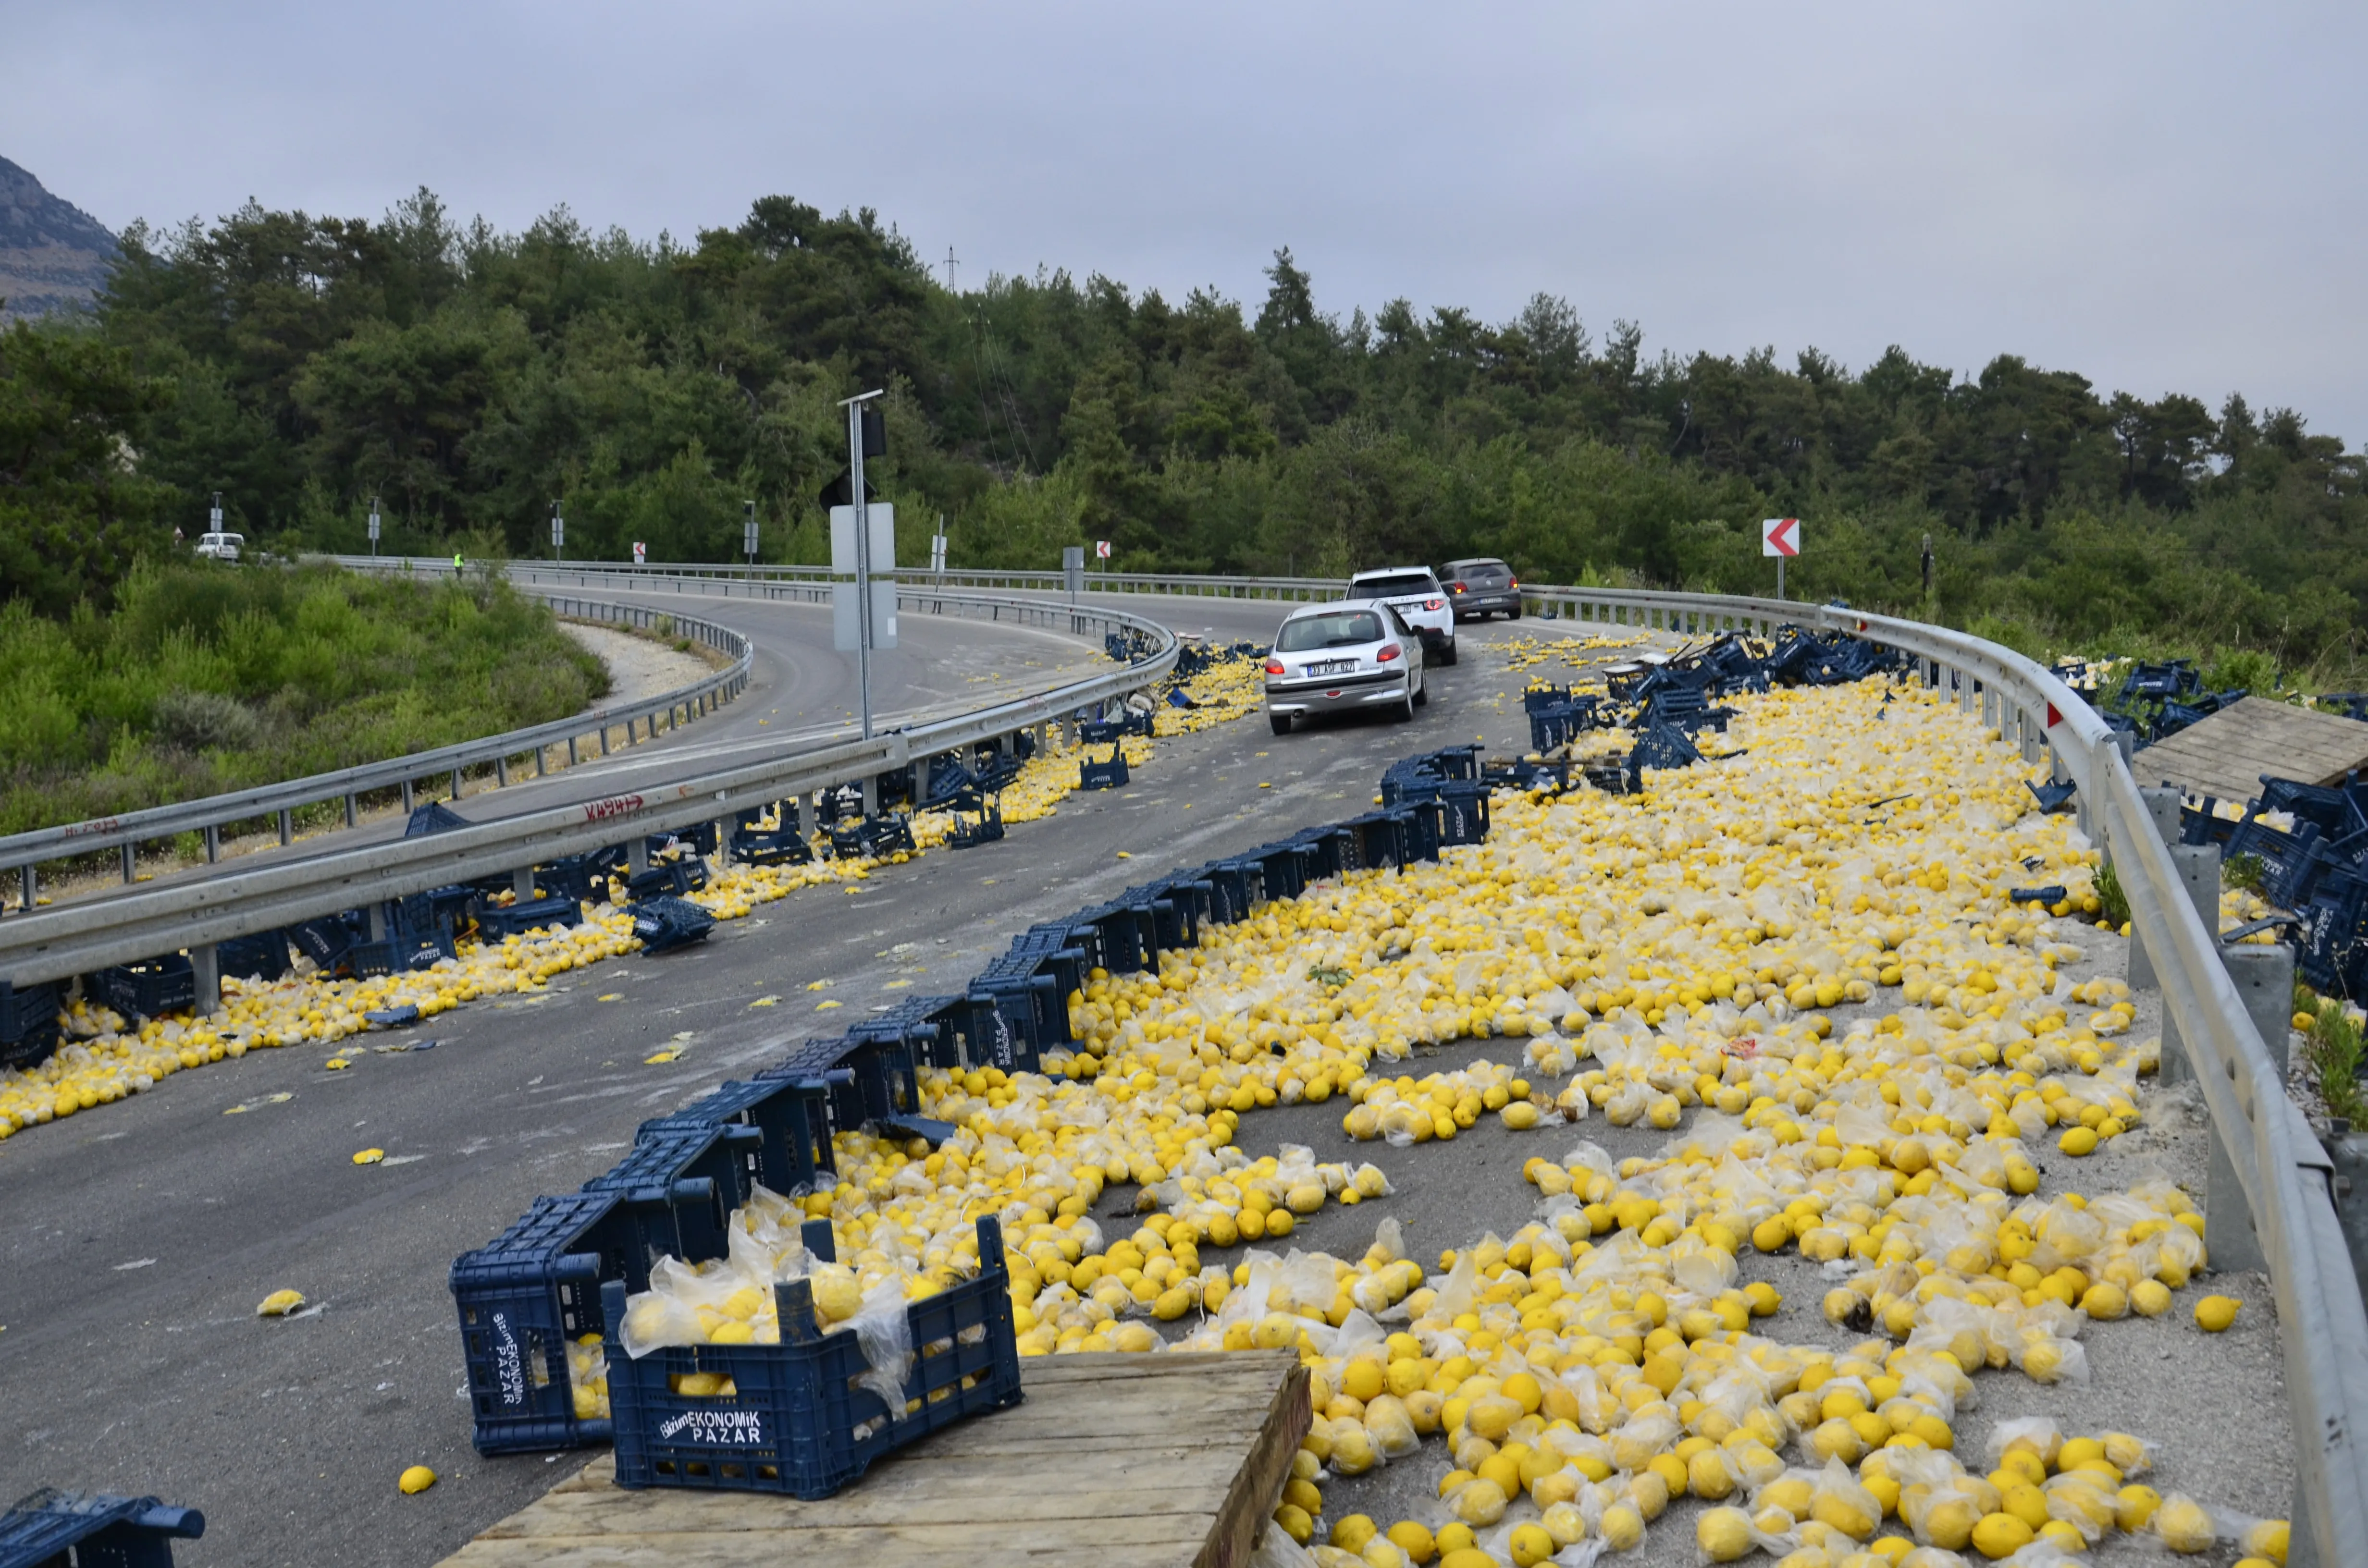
(1276,1550)
(885,1335)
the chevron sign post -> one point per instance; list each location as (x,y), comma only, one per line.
(1779,536)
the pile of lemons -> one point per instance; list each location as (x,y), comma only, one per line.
(1687,960)
(1528,653)
(105,1058)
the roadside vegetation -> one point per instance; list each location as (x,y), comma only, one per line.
(202,677)
(465,378)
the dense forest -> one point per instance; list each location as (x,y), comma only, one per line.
(470,379)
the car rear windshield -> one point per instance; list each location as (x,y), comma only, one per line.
(1488,574)
(1345,629)
(1394,585)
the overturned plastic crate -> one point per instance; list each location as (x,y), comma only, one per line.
(29,1022)
(534,1289)
(2331,949)
(52,1528)
(800,1420)
(149,989)
(667,878)
(705,1172)
(1110,775)
(263,956)
(495,922)
(790,1116)
(664,924)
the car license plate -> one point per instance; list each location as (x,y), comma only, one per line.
(1332,666)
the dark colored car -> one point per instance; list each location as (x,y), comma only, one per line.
(1482,587)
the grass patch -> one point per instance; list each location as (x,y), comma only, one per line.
(2246,873)
(206,678)
(2115,902)
(2331,1050)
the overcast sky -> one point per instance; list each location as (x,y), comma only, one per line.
(2161,197)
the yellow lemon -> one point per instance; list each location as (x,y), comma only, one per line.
(417,1479)
(2214,1313)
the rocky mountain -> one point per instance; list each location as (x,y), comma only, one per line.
(54,255)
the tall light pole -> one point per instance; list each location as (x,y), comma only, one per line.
(855,433)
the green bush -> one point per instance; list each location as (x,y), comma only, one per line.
(205,678)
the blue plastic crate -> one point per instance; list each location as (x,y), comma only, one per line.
(149,989)
(791,1119)
(674,1163)
(1110,775)
(495,922)
(798,1421)
(74,1529)
(263,956)
(529,1292)
(29,1012)
(664,924)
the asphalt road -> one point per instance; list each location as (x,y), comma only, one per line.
(142,1234)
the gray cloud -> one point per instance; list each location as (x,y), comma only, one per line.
(2162,197)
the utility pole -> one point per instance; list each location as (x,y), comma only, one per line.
(855,433)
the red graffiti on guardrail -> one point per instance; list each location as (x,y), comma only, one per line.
(104,825)
(614,806)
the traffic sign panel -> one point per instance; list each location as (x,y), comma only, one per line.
(1780,536)
(1101,548)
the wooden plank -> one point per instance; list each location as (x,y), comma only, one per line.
(1112,1461)
(1114,1542)
(1250,1501)
(2225,753)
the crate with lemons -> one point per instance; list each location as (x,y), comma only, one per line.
(105,1057)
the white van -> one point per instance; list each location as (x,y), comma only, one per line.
(220,547)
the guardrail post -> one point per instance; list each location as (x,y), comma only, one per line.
(213,842)
(522,883)
(27,880)
(205,971)
(128,859)
(571,751)
(501,773)
(406,797)
(2264,981)
(352,813)
(871,794)
(378,921)
(637,853)
(286,827)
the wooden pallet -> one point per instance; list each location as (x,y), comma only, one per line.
(2224,754)
(1113,1461)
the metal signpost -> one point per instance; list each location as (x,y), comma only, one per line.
(861,622)
(1779,536)
(558,533)
(748,538)
(373,525)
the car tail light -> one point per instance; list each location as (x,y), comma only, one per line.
(1514,583)
(1274,666)
(1455,587)
(1434,604)
(1392,652)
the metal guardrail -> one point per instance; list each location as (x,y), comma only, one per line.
(732,581)
(209,816)
(124,927)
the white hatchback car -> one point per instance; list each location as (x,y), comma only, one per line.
(1415,594)
(1332,658)
(220,547)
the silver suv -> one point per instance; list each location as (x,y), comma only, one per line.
(1415,595)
